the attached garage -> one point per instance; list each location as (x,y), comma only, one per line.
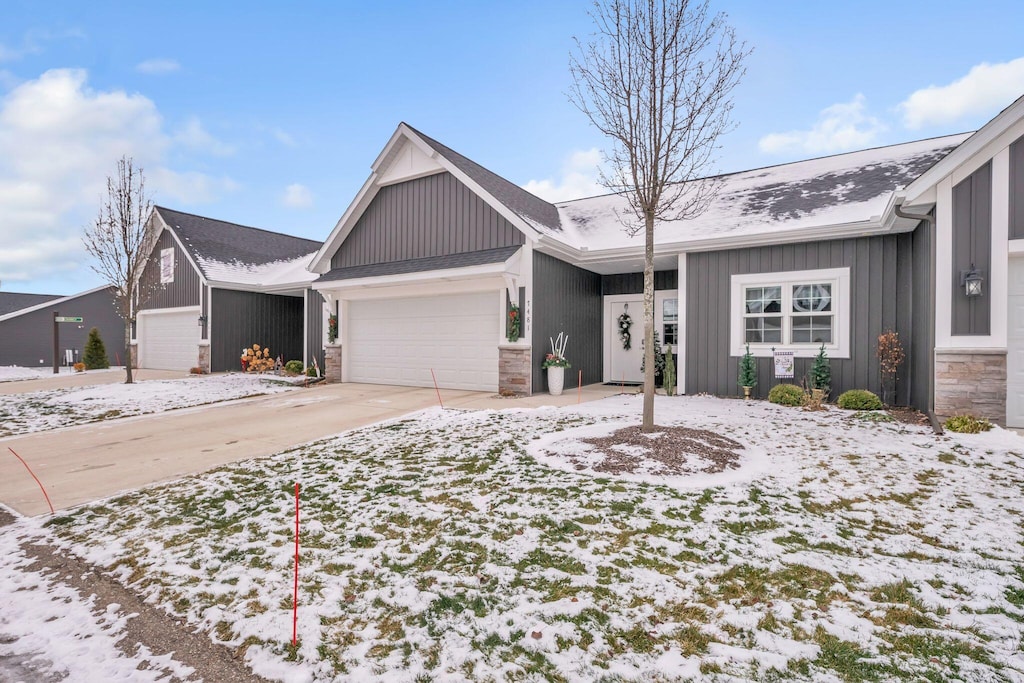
(398,341)
(169,340)
(1015,345)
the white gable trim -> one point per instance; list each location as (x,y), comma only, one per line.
(975,146)
(380,177)
(181,245)
(51,302)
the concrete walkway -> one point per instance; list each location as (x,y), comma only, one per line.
(90,462)
(82,379)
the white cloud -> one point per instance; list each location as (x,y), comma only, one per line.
(158,67)
(580,174)
(297,196)
(840,127)
(194,136)
(985,90)
(59,140)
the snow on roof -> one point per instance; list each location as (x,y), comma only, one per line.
(835,190)
(275,273)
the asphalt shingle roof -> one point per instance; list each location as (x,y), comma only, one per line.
(14,301)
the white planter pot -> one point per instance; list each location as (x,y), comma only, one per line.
(556,380)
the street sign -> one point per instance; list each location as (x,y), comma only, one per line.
(67,319)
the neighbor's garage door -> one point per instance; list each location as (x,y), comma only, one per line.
(398,341)
(169,341)
(1015,346)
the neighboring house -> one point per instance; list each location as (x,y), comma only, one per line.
(215,288)
(26,326)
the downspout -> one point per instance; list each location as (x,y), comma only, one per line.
(930,221)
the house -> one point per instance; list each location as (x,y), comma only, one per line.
(213,288)
(423,265)
(26,327)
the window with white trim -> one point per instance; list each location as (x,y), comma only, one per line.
(797,310)
(670,322)
(166,266)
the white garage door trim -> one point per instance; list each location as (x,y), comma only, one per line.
(1015,344)
(169,338)
(398,341)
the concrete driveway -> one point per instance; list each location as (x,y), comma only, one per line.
(90,462)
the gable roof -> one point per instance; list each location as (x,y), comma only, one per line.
(538,212)
(50,301)
(15,301)
(829,194)
(239,254)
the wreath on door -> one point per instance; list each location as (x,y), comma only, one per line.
(625,322)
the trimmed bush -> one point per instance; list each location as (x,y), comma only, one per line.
(311,371)
(294,367)
(787,395)
(967,424)
(859,399)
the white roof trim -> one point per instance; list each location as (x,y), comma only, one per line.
(181,245)
(967,149)
(510,266)
(51,302)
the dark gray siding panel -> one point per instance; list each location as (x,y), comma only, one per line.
(314,328)
(432,216)
(566,299)
(972,246)
(241,319)
(184,291)
(1017,190)
(881,299)
(918,369)
(27,339)
(633,283)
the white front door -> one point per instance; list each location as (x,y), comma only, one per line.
(623,365)
(1015,346)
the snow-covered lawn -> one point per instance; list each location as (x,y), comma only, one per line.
(15,373)
(469,546)
(51,409)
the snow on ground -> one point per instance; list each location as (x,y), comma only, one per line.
(14,373)
(444,546)
(56,408)
(49,632)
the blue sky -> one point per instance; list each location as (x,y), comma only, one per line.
(270,114)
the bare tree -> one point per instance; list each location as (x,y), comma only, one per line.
(116,239)
(657,78)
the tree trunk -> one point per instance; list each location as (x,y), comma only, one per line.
(649,370)
(128,350)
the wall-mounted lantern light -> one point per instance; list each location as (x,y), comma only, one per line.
(202,320)
(971,280)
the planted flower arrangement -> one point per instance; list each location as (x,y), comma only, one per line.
(555,363)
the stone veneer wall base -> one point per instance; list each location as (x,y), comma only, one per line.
(514,376)
(971,382)
(332,362)
(204,357)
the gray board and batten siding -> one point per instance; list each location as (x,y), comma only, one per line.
(566,299)
(27,339)
(241,319)
(919,367)
(314,329)
(883,296)
(432,216)
(186,288)
(972,248)
(633,283)
(1017,189)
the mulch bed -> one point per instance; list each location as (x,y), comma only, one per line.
(669,451)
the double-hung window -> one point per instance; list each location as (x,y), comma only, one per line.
(796,311)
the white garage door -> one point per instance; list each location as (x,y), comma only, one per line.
(169,341)
(1015,346)
(398,341)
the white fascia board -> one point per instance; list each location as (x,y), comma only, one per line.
(321,262)
(967,149)
(445,275)
(51,302)
(260,289)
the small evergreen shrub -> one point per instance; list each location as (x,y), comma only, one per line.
(821,372)
(748,370)
(670,372)
(311,371)
(859,399)
(967,424)
(95,354)
(294,367)
(787,395)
